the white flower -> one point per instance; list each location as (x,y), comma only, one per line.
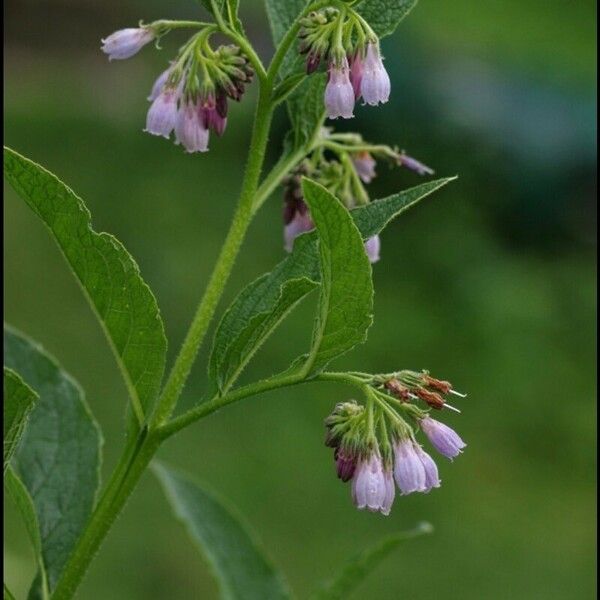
(375,83)
(126,42)
(372,485)
(409,471)
(339,94)
(162,115)
(190,130)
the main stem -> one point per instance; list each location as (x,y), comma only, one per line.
(137,456)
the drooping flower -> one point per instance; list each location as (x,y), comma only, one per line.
(372,485)
(190,130)
(364,164)
(432,478)
(375,83)
(372,247)
(162,115)
(339,94)
(126,42)
(443,438)
(414,165)
(409,471)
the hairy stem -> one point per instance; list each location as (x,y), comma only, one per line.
(118,490)
(252,389)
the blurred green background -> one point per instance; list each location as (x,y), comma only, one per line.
(490,283)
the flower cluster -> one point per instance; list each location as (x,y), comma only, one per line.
(347,165)
(374,447)
(354,63)
(189,98)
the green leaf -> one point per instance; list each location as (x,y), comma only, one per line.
(19,399)
(360,566)
(58,459)
(281,15)
(346,304)
(385,15)
(24,504)
(234,347)
(7,594)
(374,217)
(306,109)
(239,565)
(252,315)
(110,278)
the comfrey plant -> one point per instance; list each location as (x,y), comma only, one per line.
(327,63)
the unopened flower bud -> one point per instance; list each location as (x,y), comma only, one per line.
(444,439)
(126,42)
(345,462)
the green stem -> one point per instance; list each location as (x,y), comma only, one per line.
(110,505)
(224,265)
(218,402)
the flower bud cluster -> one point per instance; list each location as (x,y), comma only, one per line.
(342,163)
(374,447)
(354,63)
(190,98)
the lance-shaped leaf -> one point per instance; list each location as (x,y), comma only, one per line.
(233,348)
(346,303)
(385,15)
(357,569)
(58,458)
(24,504)
(109,276)
(18,400)
(261,305)
(242,571)
(7,594)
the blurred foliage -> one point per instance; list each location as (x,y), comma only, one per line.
(490,283)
